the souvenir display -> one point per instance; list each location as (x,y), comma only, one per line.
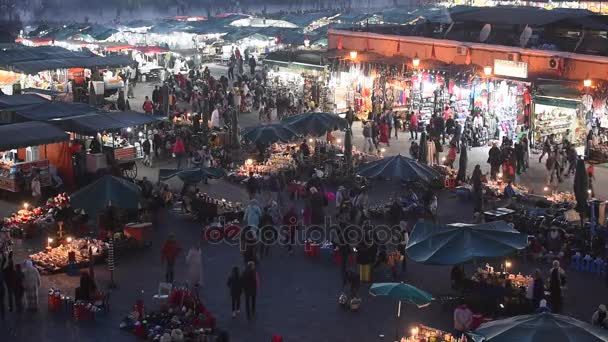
(72,251)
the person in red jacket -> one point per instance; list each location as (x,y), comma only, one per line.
(169,253)
(148,106)
(179,150)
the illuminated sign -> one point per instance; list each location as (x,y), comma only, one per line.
(510,68)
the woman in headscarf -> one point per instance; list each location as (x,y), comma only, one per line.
(31,283)
(194,262)
(477,189)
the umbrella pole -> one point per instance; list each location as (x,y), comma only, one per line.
(397,325)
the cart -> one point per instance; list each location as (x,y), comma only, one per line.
(139,233)
(128,168)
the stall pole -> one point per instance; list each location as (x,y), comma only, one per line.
(112,284)
(397,325)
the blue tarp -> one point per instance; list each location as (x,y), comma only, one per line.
(35,66)
(32,60)
(29,134)
(107,190)
(8,101)
(92,123)
(399,168)
(42,91)
(453,244)
(51,110)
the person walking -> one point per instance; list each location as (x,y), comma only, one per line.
(31,285)
(252,65)
(494,159)
(477,190)
(235,284)
(179,151)
(250,287)
(414,126)
(367,137)
(397,125)
(148,106)
(19,288)
(10,280)
(155,95)
(2,287)
(194,262)
(555,287)
(546,147)
(147,148)
(169,252)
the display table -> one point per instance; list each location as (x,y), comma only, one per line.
(16,177)
(56,260)
(498,214)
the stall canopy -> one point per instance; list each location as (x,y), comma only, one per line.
(90,124)
(42,91)
(31,60)
(50,110)
(192,176)
(457,243)
(29,134)
(7,101)
(108,190)
(269,134)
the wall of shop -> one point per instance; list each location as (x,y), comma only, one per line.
(571,66)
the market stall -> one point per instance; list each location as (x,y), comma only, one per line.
(16,172)
(69,252)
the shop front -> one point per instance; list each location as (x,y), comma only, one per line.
(559,111)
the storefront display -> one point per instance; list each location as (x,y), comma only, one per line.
(559,118)
(423,333)
(29,220)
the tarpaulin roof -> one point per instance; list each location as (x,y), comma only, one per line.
(503,15)
(304,19)
(90,124)
(29,134)
(32,60)
(7,101)
(32,67)
(51,110)
(133,118)
(42,91)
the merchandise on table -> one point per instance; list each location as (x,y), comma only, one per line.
(183,318)
(422,333)
(29,220)
(55,260)
(16,176)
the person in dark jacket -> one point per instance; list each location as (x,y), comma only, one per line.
(494,159)
(235,285)
(155,95)
(440,128)
(555,287)
(252,186)
(519,155)
(250,287)
(317,202)
(10,278)
(19,290)
(538,288)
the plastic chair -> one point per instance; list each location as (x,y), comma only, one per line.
(587,263)
(575,261)
(598,265)
(164,290)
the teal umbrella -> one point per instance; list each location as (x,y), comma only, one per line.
(269,134)
(402,292)
(456,243)
(315,124)
(537,328)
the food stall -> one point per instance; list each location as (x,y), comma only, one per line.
(17,172)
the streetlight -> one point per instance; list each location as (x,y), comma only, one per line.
(587,82)
(416,61)
(353,55)
(487,70)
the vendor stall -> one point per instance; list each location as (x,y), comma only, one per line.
(69,252)
(16,173)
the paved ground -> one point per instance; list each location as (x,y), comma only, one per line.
(297,297)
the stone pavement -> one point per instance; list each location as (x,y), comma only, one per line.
(297,296)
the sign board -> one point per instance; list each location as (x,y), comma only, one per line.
(510,68)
